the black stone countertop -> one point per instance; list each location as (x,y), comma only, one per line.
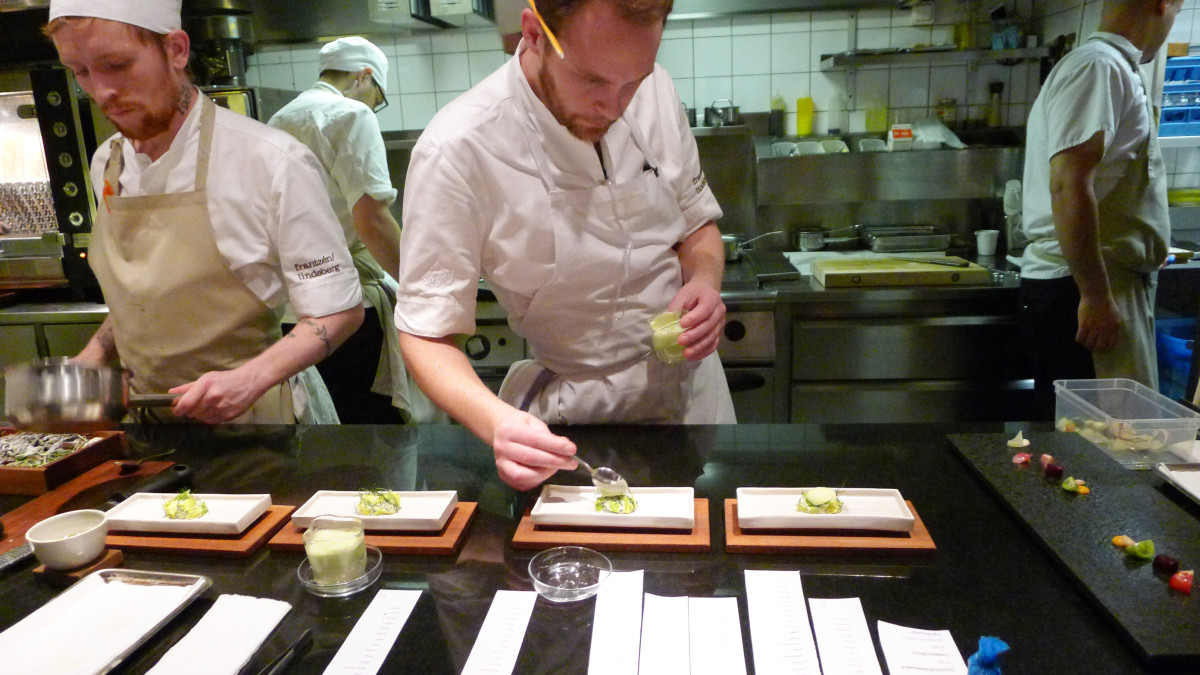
(1078,530)
(989,576)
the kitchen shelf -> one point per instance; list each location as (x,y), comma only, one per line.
(1178,141)
(968,56)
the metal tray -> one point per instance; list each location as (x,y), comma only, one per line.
(910,243)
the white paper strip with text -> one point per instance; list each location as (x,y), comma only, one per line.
(499,641)
(779,631)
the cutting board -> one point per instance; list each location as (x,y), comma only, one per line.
(20,519)
(891,272)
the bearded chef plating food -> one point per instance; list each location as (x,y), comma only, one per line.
(569,180)
(207,222)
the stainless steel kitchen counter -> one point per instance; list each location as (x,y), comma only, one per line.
(54,312)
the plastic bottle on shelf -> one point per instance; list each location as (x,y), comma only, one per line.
(995,116)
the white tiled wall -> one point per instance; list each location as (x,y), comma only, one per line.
(747,59)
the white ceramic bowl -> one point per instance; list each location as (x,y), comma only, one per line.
(69,540)
(568,573)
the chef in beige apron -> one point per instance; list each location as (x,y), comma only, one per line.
(1133,231)
(588,328)
(177,310)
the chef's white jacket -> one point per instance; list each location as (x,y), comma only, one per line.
(1092,89)
(475,205)
(270,214)
(344,134)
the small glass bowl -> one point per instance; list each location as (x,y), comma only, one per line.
(568,573)
(305,574)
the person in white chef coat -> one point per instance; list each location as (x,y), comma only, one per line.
(335,118)
(569,181)
(207,222)
(1095,206)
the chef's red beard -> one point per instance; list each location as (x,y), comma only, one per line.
(153,118)
(579,125)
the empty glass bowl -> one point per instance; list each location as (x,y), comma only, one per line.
(568,573)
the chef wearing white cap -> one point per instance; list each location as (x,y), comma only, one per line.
(208,222)
(335,119)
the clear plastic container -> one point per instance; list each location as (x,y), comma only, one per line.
(1129,421)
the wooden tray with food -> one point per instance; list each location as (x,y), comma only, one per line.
(33,463)
(446,541)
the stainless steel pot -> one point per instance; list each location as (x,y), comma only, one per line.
(722,116)
(59,395)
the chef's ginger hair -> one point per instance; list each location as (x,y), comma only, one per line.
(556,12)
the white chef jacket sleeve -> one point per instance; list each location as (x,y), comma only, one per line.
(441,250)
(360,158)
(696,200)
(316,265)
(1082,101)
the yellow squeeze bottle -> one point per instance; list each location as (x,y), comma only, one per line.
(804,116)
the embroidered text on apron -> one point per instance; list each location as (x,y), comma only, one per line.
(178,311)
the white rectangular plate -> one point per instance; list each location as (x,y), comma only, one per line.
(227,514)
(1186,477)
(420,511)
(863,509)
(102,618)
(666,508)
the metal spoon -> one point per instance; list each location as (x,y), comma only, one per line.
(606,480)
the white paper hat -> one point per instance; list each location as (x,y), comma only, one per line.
(352,54)
(160,16)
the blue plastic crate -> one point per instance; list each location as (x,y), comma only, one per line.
(1174,339)
(1182,69)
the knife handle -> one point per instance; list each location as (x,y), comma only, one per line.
(175,476)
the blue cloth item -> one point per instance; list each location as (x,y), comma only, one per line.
(986,660)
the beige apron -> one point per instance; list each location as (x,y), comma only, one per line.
(1134,230)
(178,311)
(588,327)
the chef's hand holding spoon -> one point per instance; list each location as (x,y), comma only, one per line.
(526,451)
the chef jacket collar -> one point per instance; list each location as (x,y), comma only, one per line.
(1122,44)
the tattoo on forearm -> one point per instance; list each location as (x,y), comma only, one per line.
(184,100)
(318,330)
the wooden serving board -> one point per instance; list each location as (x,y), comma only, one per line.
(20,519)
(737,540)
(858,272)
(445,542)
(19,480)
(697,540)
(233,546)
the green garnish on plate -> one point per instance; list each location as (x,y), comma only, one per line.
(820,500)
(184,506)
(623,503)
(377,502)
